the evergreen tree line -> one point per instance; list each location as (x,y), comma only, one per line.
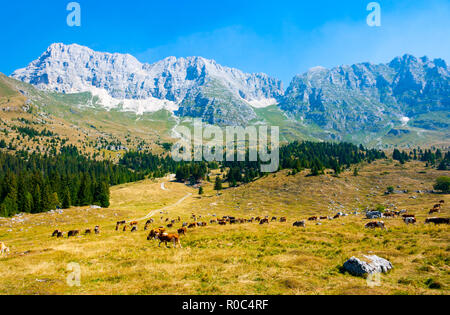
(316,156)
(34,183)
(156,166)
(433,158)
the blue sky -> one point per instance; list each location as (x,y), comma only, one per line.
(281,38)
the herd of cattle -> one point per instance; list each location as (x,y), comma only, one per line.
(73,233)
(165,237)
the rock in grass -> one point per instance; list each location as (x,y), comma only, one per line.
(371,264)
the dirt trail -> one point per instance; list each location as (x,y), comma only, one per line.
(154,212)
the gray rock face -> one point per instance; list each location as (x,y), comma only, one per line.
(191,86)
(371,264)
(373,97)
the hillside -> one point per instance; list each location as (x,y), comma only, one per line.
(76,120)
(245,258)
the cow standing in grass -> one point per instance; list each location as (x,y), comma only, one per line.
(3,249)
(169,238)
(182,231)
(375,224)
(300,224)
(438,220)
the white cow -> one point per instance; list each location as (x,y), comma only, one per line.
(3,249)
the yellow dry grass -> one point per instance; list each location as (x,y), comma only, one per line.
(239,259)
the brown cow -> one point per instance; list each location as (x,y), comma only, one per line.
(437,220)
(182,231)
(134,223)
(264,221)
(154,232)
(167,238)
(192,225)
(434,210)
(375,224)
(73,233)
(88,231)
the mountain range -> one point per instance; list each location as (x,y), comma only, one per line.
(361,103)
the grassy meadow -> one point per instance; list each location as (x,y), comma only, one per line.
(244,258)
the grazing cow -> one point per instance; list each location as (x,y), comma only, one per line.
(375,224)
(337,216)
(222,222)
(154,232)
(182,231)
(3,249)
(388,215)
(88,231)
(134,229)
(73,233)
(300,224)
(60,235)
(323,218)
(410,220)
(437,220)
(192,225)
(434,210)
(274,219)
(55,233)
(312,219)
(168,238)
(408,216)
(212,221)
(263,221)
(170,225)
(258,219)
